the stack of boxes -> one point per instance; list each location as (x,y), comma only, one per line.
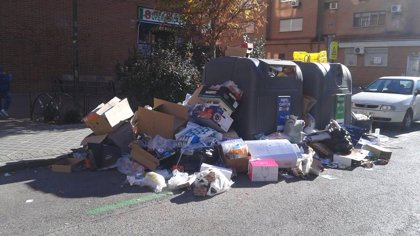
(217,103)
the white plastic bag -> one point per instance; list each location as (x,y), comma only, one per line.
(178,179)
(211,182)
(152,180)
(127,166)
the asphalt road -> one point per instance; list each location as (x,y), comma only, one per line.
(381,201)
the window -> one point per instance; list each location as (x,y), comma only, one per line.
(289,25)
(376,57)
(332,5)
(350,59)
(368,19)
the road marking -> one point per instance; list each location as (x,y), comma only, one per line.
(145,198)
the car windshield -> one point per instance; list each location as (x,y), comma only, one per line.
(397,86)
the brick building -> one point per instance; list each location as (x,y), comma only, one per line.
(375,37)
(36,40)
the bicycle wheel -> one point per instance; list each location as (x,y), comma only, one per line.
(40,106)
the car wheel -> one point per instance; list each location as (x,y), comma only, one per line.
(408,120)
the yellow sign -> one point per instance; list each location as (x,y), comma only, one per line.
(333,50)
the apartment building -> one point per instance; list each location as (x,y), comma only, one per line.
(375,37)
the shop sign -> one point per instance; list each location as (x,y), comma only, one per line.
(156,16)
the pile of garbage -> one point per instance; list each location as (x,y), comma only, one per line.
(192,145)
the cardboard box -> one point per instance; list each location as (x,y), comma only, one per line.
(165,119)
(222,96)
(240,165)
(143,157)
(242,50)
(121,137)
(194,97)
(263,170)
(105,155)
(105,117)
(235,154)
(212,116)
(65,165)
(351,160)
(282,151)
(378,151)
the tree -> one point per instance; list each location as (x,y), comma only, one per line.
(167,73)
(215,21)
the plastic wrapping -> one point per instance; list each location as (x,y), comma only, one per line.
(163,147)
(127,166)
(179,179)
(234,148)
(294,129)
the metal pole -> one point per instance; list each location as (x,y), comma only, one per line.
(75,42)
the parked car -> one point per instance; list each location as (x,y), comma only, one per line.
(390,99)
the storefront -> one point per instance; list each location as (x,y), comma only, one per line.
(155,26)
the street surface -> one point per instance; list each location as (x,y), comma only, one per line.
(381,201)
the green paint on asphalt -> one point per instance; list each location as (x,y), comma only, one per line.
(145,198)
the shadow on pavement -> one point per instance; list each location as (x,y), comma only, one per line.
(81,184)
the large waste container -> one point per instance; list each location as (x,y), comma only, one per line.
(262,82)
(331,85)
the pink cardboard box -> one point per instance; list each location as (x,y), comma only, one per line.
(263,170)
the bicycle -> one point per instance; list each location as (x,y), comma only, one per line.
(55,107)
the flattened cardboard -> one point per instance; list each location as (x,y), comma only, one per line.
(143,157)
(164,120)
(105,117)
(351,160)
(65,165)
(378,151)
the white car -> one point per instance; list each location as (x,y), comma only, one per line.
(390,99)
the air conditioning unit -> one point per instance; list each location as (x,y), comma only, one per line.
(359,50)
(295,3)
(396,8)
(333,5)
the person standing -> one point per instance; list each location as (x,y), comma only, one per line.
(5,99)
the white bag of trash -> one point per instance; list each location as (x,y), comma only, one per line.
(152,179)
(211,182)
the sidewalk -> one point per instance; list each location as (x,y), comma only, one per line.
(24,143)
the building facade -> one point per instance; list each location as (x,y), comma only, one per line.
(375,37)
(38,41)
